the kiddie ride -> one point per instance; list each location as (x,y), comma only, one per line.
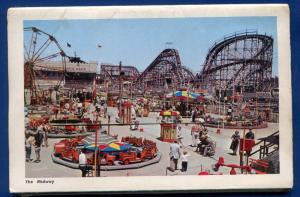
(69,150)
(252,168)
(140,152)
(72,127)
(146,149)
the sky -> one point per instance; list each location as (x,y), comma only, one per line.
(138,42)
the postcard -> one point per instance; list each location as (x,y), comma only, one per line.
(150,98)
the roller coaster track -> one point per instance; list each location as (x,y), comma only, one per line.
(240,59)
(166,65)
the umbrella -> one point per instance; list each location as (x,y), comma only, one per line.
(112,147)
(169,113)
(183,95)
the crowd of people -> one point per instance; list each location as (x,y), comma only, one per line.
(36,131)
(204,144)
(236,140)
(35,139)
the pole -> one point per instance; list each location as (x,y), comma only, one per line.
(120,88)
(219,109)
(131,91)
(187,100)
(165,95)
(256,111)
(224,112)
(108,125)
(244,140)
(96,152)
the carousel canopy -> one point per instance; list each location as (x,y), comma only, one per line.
(102,138)
(105,142)
(111,147)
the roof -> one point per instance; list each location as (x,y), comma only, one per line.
(102,138)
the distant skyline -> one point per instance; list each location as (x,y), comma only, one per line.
(138,42)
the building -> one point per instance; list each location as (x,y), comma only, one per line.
(77,75)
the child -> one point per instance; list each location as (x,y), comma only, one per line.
(184,163)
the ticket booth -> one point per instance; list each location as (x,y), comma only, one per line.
(168,132)
(168,126)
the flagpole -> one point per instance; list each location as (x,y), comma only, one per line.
(96,152)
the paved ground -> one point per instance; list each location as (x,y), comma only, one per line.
(47,168)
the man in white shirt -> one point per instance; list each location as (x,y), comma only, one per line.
(82,163)
(174,155)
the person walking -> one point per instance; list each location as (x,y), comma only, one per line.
(184,162)
(82,164)
(174,155)
(250,136)
(38,143)
(29,141)
(194,114)
(46,131)
(195,134)
(235,142)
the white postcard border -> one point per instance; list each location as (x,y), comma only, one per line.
(16,16)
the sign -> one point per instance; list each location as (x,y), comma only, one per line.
(70,67)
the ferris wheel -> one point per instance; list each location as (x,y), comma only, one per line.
(40,48)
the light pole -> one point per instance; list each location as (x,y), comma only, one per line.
(187,100)
(219,109)
(120,87)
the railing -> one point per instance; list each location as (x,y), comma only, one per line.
(234,34)
(264,149)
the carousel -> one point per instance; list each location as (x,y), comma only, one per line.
(107,151)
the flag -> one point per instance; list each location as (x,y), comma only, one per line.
(169,43)
(68,44)
(99,46)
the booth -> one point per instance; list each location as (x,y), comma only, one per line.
(168,126)
(125,112)
(168,132)
(143,109)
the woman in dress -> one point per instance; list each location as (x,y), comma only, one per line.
(235,142)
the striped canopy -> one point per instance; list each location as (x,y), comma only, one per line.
(183,95)
(112,147)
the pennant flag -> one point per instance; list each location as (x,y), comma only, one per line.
(68,44)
